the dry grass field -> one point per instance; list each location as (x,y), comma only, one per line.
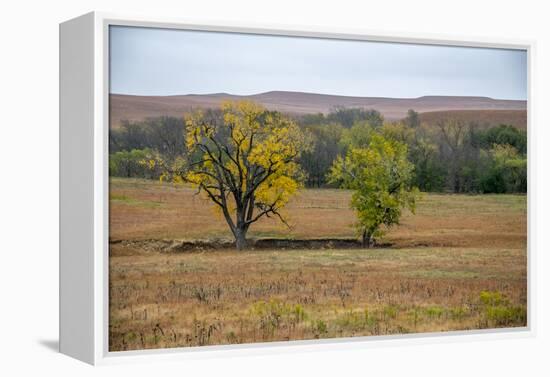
(459,263)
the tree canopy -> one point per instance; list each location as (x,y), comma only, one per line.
(380,176)
(449,155)
(244,161)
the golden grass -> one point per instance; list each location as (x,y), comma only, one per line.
(221,297)
(141,209)
(458,264)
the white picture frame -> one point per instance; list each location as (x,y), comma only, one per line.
(84,96)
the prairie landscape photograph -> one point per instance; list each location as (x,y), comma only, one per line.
(271,188)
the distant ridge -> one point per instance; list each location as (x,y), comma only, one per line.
(135,108)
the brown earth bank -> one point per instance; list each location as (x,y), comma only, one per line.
(136,108)
(175,246)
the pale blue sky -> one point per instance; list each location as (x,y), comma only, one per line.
(147,61)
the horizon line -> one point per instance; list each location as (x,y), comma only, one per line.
(316,93)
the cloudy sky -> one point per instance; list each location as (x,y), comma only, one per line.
(147,61)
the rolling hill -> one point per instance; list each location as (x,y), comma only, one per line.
(135,108)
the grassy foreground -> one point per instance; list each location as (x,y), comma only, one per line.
(460,263)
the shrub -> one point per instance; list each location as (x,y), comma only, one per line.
(506,315)
(231,337)
(358,320)
(498,311)
(489,298)
(390,311)
(434,312)
(319,328)
(131,164)
(274,313)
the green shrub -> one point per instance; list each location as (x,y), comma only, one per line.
(131,164)
(434,312)
(231,337)
(390,311)
(273,313)
(299,313)
(359,320)
(489,298)
(506,315)
(319,328)
(498,311)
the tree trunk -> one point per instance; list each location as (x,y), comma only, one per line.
(240,239)
(367,238)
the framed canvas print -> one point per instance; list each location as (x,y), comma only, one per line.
(227,186)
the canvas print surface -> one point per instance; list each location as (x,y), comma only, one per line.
(272,188)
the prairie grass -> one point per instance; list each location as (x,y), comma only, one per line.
(459,264)
(151,210)
(226,297)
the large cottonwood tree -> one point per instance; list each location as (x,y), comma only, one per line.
(244,161)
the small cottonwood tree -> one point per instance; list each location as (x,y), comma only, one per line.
(244,161)
(381,177)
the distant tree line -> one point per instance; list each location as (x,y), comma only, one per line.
(453,156)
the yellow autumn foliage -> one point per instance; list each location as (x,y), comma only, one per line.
(244,159)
